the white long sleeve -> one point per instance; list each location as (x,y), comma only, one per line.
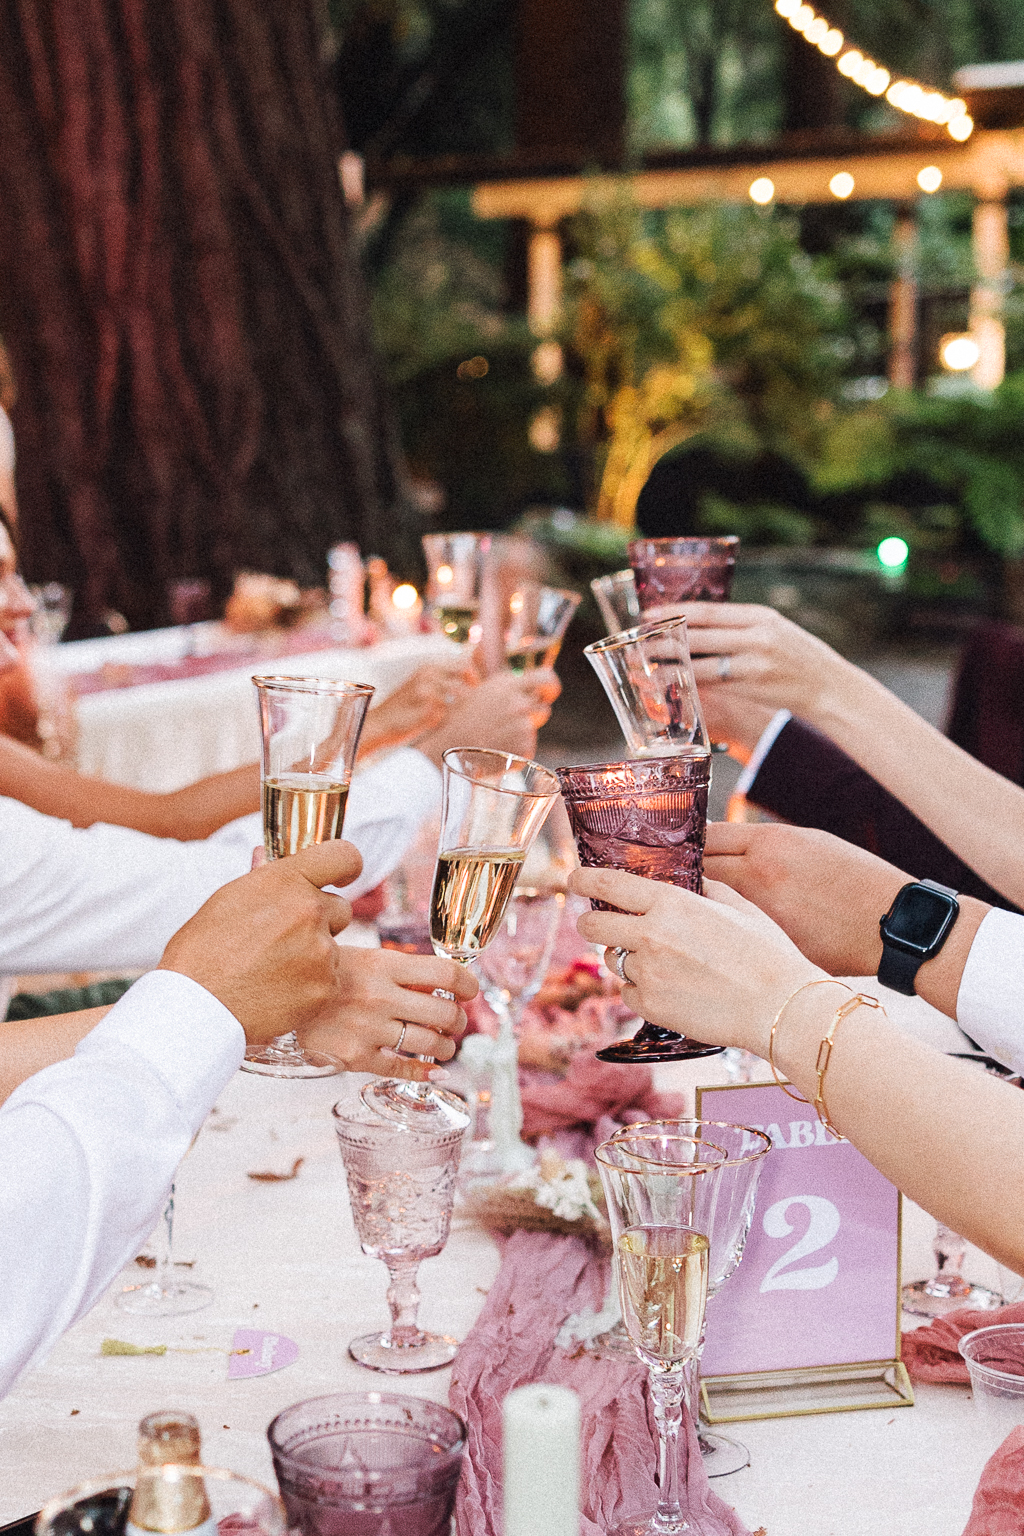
(108,898)
(89,1148)
(990,1002)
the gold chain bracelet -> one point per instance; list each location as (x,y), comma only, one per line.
(820,981)
(853,1002)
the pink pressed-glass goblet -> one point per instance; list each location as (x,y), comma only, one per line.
(649,818)
(668,572)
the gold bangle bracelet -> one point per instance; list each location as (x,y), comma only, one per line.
(858,1000)
(820,981)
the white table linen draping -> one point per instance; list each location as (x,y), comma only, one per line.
(162,736)
(284,1257)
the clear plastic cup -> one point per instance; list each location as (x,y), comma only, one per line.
(995,1361)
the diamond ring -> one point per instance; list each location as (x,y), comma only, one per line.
(618,959)
(725,668)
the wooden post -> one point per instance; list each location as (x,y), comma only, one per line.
(991,242)
(903,303)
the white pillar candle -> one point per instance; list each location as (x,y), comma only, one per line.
(542,1461)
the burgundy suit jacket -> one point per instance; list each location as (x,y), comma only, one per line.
(807,780)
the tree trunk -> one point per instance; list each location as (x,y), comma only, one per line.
(180,295)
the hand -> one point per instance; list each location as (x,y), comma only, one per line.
(773,663)
(420,705)
(505,712)
(716,969)
(382,989)
(827,895)
(264,945)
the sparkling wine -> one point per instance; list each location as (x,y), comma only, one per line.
(663,1287)
(457,620)
(471,892)
(300,809)
(652,825)
(542,653)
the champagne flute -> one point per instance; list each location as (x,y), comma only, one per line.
(537,620)
(456,567)
(310,729)
(616,597)
(659,1215)
(493,805)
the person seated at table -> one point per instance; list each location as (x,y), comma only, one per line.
(91,1135)
(723,971)
(827,745)
(414,712)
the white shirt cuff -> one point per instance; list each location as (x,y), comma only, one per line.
(182,1032)
(765,743)
(990,1003)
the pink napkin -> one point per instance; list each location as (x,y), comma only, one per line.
(999,1496)
(543,1278)
(591,1091)
(930,1353)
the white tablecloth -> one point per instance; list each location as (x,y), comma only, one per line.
(162,736)
(285,1257)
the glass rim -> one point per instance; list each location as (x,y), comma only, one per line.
(642,1132)
(627,570)
(680,1170)
(1017,1377)
(632,636)
(370,1398)
(688,755)
(725,541)
(511,759)
(348,1115)
(282,683)
(111,1481)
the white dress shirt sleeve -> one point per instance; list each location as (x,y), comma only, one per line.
(765,742)
(88,1151)
(990,1003)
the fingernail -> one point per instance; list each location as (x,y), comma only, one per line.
(438,1075)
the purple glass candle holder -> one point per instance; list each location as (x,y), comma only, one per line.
(649,818)
(668,572)
(367,1464)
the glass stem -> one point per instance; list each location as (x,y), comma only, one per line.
(404,1302)
(506,1103)
(165,1245)
(668,1385)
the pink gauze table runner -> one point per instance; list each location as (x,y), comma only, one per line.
(931,1353)
(543,1278)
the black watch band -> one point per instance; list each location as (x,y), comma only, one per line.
(897,970)
(901,961)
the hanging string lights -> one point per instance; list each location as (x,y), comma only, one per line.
(906,95)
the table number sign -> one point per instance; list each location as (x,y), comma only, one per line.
(810,1320)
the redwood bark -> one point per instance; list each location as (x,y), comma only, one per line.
(181,297)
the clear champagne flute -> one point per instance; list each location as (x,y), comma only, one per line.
(456,570)
(310,732)
(659,1215)
(616,597)
(493,805)
(165,1294)
(535,626)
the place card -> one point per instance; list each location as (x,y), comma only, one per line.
(255,1352)
(809,1322)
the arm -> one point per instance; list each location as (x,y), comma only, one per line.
(774,663)
(30,1045)
(720,970)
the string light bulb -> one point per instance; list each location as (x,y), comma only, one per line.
(929,178)
(905,95)
(842,185)
(762,190)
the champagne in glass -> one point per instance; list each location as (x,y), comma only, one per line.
(535,626)
(663,1287)
(457,620)
(310,731)
(493,806)
(456,568)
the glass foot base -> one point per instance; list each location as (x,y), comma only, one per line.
(156,1300)
(433,1351)
(668,1047)
(648,1524)
(923,1298)
(720,1455)
(270,1061)
(417,1106)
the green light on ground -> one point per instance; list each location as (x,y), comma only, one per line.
(893,553)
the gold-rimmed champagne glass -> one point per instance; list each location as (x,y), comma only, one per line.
(310,732)
(493,805)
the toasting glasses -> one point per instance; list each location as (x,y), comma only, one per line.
(672,571)
(493,805)
(310,728)
(730,1215)
(456,567)
(648,677)
(660,1215)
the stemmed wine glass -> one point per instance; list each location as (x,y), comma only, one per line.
(401,1186)
(672,571)
(493,804)
(165,1294)
(535,626)
(456,569)
(648,677)
(660,1214)
(731,1214)
(512,970)
(310,730)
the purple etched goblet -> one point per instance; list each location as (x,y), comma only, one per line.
(649,818)
(668,572)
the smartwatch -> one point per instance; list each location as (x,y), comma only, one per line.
(914,930)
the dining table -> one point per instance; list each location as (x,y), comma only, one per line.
(282,1256)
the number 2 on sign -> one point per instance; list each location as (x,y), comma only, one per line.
(821,1229)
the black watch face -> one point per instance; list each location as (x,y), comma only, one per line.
(919,919)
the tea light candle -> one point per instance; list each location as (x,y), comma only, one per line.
(542,1461)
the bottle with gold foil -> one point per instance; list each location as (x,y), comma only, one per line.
(169,1505)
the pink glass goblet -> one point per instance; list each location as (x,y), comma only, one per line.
(649,818)
(668,572)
